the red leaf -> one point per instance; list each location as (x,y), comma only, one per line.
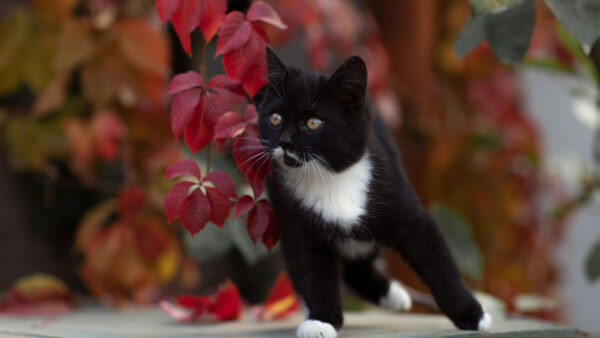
(282,299)
(185,19)
(222,182)
(263,12)
(234,33)
(174,199)
(230,90)
(166,9)
(251,116)
(272,233)
(198,132)
(258,220)
(37,295)
(242,206)
(226,304)
(229,126)
(195,212)
(199,304)
(185,81)
(181,168)
(131,201)
(150,241)
(249,62)
(257,185)
(220,206)
(183,109)
(250,156)
(212,13)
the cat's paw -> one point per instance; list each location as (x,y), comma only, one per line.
(485,322)
(397,298)
(315,329)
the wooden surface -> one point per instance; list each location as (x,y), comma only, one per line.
(98,322)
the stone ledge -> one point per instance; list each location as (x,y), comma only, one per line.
(98,323)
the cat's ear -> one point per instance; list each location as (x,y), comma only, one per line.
(349,81)
(275,68)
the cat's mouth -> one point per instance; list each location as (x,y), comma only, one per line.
(288,158)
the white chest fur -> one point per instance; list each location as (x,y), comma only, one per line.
(339,198)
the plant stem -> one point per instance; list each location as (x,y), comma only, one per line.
(202,69)
(207,159)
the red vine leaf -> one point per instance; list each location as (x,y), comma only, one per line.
(183,109)
(258,220)
(222,182)
(234,33)
(181,168)
(195,111)
(249,62)
(281,301)
(243,205)
(131,201)
(174,199)
(273,230)
(226,304)
(187,15)
(250,156)
(166,9)
(230,91)
(228,126)
(251,116)
(185,81)
(220,206)
(263,12)
(212,13)
(198,132)
(195,212)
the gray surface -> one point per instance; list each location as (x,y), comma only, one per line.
(96,322)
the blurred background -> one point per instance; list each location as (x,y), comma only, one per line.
(503,146)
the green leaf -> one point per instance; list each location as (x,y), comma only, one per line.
(509,31)
(506,25)
(470,36)
(592,263)
(492,6)
(580,17)
(459,237)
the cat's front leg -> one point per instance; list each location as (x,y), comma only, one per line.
(418,239)
(315,273)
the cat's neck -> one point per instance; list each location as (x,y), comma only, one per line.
(338,197)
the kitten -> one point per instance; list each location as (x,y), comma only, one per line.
(340,192)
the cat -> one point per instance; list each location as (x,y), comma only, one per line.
(339,190)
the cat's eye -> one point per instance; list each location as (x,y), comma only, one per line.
(275,119)
(313,123)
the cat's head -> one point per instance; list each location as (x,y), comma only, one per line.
(309,116)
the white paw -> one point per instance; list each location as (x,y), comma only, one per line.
(315,329)
(485,322)
(397,298)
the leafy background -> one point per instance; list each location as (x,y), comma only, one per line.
(92,93)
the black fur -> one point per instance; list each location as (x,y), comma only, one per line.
(395,218)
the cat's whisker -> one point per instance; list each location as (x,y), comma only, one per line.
(250,158)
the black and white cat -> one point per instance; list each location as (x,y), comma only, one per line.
(340,192)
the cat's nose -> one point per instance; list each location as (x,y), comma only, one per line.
(285,140)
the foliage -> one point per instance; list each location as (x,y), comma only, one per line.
(592,263)
(204,111)
(460,240)
(38,295)
(507,25)
(226,303)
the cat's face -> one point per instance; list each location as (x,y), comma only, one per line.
(307,117)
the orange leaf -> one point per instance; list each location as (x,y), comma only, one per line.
(37,294)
